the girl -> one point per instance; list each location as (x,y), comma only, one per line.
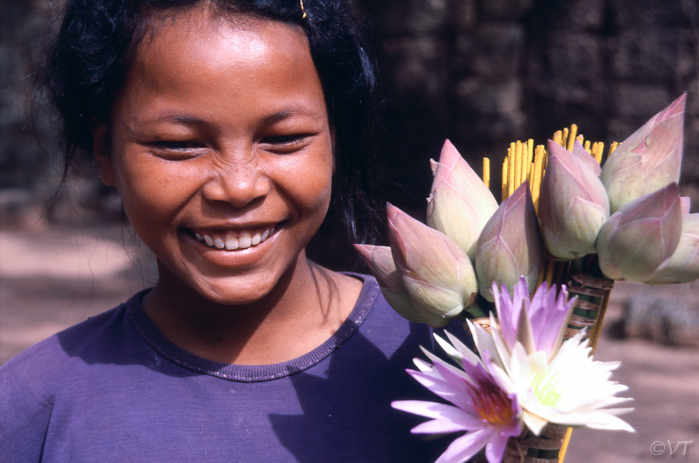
(225,125)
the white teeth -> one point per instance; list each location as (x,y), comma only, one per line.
(231,242)
(245,241)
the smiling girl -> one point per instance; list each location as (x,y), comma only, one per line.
(228,129)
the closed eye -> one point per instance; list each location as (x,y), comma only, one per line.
(176,150)
(175,145)
(285,143)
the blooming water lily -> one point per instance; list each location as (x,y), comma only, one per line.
(480,406)
(525,375)
(460,203)
(555,381)
(510,244)
(538,323)
(571,389)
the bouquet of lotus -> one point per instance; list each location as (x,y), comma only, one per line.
(530,278)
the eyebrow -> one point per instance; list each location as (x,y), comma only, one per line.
(180,118)
(272,118)
(290,112)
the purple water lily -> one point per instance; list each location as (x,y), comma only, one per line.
(538,324)
(480,407)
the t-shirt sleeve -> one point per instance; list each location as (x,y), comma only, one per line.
(25,407)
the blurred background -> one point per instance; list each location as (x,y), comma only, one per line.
(482,73)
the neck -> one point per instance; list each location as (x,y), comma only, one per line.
(305,308)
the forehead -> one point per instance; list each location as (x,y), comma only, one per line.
(207,24)
(234,58)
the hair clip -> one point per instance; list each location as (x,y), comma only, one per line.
(302,9)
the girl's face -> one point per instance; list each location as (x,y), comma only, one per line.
(220,147)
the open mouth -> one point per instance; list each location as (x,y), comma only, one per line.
(232,241)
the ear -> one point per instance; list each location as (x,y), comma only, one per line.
(101,148)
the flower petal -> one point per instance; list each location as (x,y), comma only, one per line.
(465,447)
(452,417)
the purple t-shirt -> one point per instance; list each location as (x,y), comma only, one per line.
(113,388)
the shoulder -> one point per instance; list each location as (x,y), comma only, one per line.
(32,381)
(52,355)
(383,330)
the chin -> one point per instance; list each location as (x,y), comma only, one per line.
(234,293)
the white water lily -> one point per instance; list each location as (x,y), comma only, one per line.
(570,390)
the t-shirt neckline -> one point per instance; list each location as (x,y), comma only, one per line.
(252,373)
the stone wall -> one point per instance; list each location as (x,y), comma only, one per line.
(487,72)
(480,72)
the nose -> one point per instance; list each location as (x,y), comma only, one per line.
(236,183)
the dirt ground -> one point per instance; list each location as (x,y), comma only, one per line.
(53,278)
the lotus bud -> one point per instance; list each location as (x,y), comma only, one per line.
(380,261)
(641,235)
(436,272)
(582,154)
(686,204)
(683,265)
(459,204)
(573,204)
(648,160)
(510,245)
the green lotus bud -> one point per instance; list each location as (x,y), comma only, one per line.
(573,204)
(683,265)
(648,160)
(380,260)
(459,204)
(641,235)
(436,272)
(510,245)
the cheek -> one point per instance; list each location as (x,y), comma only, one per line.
(151,191)
(312,185)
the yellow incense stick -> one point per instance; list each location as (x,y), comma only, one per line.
(486,172)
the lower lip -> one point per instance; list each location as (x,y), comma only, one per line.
(236,257)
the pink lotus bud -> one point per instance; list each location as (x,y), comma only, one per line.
(380,260)
(648,160)
(641,235)
(683,265)
(686,204)
(436,272)
(582,154)
(459,204)
(573,204)
(510,245)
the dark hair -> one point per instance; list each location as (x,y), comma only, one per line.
(95,45)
